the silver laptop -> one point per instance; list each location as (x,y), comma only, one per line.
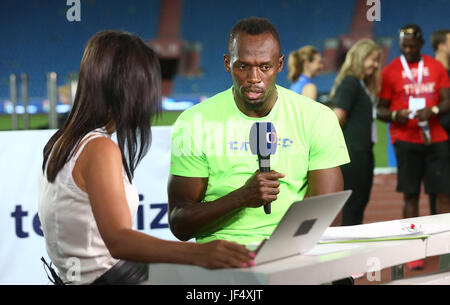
(301,227)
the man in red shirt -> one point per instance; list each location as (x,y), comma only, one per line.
(415,92)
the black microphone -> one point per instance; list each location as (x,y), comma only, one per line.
(263,142)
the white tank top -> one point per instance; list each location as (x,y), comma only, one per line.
(73,241)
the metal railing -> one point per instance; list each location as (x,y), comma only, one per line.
(52,95)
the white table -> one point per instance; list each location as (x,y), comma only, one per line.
(437,244)
(307,269)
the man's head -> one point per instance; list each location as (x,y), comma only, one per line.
(254,60)
(411,41)
(440,40)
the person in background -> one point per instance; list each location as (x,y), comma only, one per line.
(415,93)
(87,200)
(64,97)
(440,41)
(303,65)
(353,94)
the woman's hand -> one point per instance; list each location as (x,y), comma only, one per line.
(222,254)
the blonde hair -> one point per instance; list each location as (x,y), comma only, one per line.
(297,59)
(63,92)
(354,65)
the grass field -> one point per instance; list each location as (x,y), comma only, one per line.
(167,118)
(40,121)
(380,148)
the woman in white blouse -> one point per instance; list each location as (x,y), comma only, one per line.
(86,196)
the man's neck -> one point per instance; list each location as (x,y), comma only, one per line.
(443,58)
(414,60)
(257,112)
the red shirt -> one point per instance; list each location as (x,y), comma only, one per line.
(397,88)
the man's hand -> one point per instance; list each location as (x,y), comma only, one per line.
(402,116)
(189,215)
(424,114)
(260,189)
(384,114)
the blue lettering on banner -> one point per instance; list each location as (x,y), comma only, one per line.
(37,225)
(140,214)
(20,216)
(140,217)
(156,223)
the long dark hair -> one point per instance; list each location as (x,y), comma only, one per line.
(120,82)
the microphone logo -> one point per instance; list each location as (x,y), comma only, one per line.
(271,137)
(263,139)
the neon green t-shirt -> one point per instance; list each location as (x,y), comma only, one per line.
(211,140)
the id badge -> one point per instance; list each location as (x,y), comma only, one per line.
(415,104)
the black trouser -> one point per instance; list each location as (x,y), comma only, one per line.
(358,177)
(427,163)
(433,210)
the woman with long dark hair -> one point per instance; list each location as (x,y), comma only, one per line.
(87,199)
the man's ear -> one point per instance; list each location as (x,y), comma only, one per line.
(281,63)
(226,61)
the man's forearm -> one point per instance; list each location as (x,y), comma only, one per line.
(384,114)
(193,218)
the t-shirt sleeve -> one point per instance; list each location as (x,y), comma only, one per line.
(386,87)
(444,81)
(187,158)
(346,93)
(327,148)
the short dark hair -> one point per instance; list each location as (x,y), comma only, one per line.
(438,37)
(119,81)
(411,29)
(253,26)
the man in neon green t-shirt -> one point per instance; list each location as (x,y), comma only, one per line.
(215,189)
